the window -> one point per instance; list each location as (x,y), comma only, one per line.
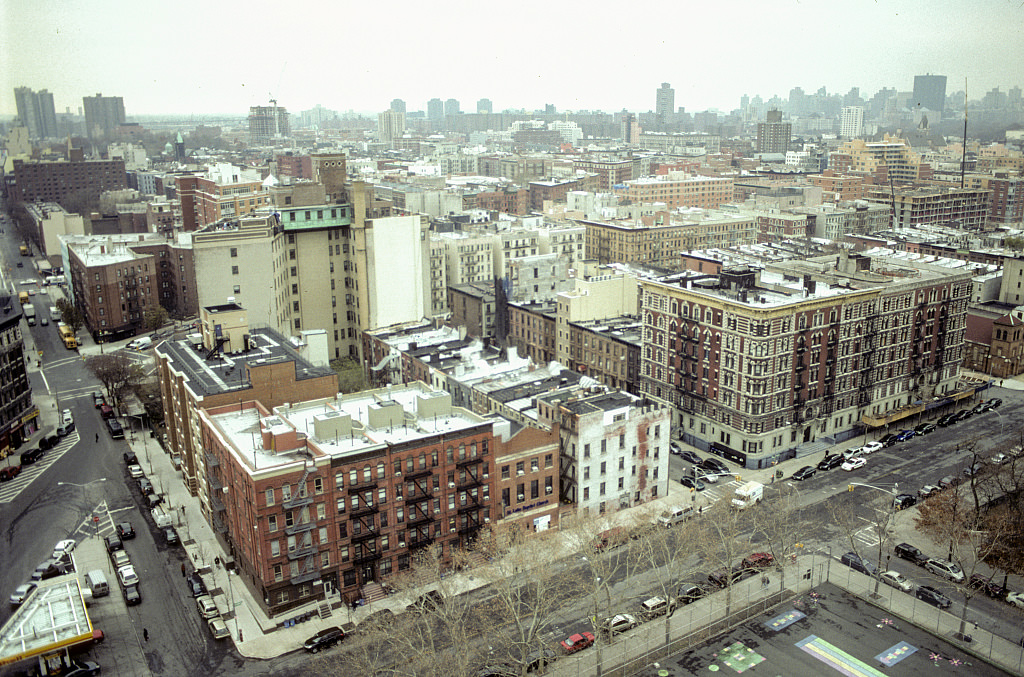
(234,270)
(548,460)
(278,577)
(345,557)
(318,485)
(521,468)
(234,255)
(325,559)
(272,523)
(289,519)
(275,548)
(504,472)
(237,289)
(270,497)
(321,511)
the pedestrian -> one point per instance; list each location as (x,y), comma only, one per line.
(145,634)
(765,581)
(97,438)
(182,569)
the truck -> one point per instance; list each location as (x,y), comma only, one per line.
(23,250)
(748,494)
(161,518)
(30,314)
(23,297)
(68,336)
(55,314)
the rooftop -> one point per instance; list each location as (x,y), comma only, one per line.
(53,616)
(229,372)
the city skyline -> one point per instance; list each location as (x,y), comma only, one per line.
(868,45)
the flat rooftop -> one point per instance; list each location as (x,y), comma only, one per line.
(52,617)
(227,372)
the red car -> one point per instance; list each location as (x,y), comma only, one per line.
(758,560)
(578,642)
(106,411)
(9,473)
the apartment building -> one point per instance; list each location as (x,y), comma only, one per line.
(615,448)
(773,135)
(472,305)
(657,240)
(837,187)
(19,416)
(56,181)
(326,495)
(253,363)
(314,264)
(678,189)
(1006,196)
(891,157)
(531,330)
(696,143)
(114,279)
(267,123)
(963,208)
(223,191)
(610,171)
(836,221)
(757,363)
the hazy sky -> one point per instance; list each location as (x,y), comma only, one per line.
(212,56)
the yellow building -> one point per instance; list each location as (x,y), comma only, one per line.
(678,189)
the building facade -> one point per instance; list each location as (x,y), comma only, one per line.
(58,181)
(757,363)
(103,115)
(19,417)
(36,112)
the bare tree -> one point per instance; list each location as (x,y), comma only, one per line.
(69,315)
(116,372)
(720,541)
(778,520)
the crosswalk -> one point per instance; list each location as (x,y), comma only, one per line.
(713,492)
(10,490)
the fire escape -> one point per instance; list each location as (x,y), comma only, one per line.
(470,480)
(303,549)
(365,544)
(420,514)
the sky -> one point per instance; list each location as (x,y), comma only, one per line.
(216,57)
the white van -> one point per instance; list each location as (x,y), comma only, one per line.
(674,515)
(141,343)
(97,583)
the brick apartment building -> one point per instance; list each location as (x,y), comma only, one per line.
(46,181)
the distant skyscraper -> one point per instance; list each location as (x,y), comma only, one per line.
(398,105)
(36,112)
(773,134)
(435,109)
(267,123)
(103,114)
(665,105)
(851,123)
(930,92)
(390,126)
(484,106)
(451,107)
(629,128)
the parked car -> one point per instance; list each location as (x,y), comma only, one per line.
(705,476)
(97,399)
(691,457)
(218,628)
(656,606)
(853,452)
(948,419)
(947,481)
(804,473)
(872,447)
(195,584)
(675,449)
(22,592)
(324,639)
(932,596)
(896,580)
(715,465)
(577,642)
(982,407)
(945,568)
(888,440)
(9,472)
(539,658)
(127,575)
(1016,599)
(995,402)
(758,560)
(206,606)
(691,592)
(119,558)
(113,542)
(170,535)
(82,669)
(973,469)
(858,563)
(691,483)
(106,411)
(63,548)
(130,458)
(31,456)
(48,442)
(725,576)
(988,586)
(999,459)
(131,593)
(927,490)
(910,553)
(830,462)
(613,625)
(145,486)
(925,428)
(135,471)
(963,415)
(153,500)
(51,568)
(904,501)
(905,435)
(854,463)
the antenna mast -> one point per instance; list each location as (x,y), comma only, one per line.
(963,160)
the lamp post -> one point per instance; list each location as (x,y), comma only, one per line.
(892,492)
(83,486)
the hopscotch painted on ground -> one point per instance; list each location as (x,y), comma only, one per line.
(867,535)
